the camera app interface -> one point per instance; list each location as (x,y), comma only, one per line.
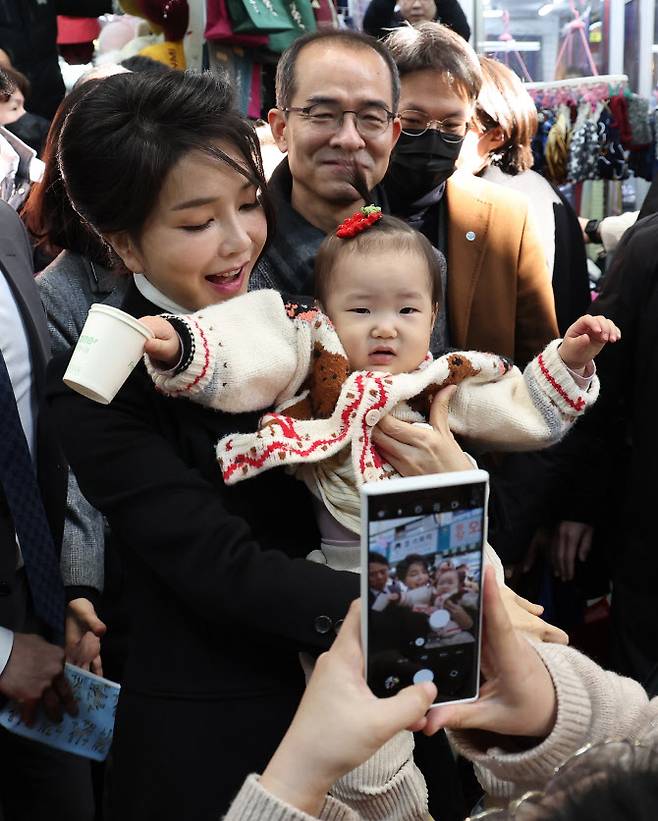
(424,590)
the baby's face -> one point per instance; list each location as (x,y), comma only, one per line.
(381,307)
(417,576)
(447,583)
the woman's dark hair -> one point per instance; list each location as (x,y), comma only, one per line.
(122,139)
(388,233)
(503,102)
(404,566)
(47,213)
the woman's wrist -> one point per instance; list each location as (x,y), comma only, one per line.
(290,776)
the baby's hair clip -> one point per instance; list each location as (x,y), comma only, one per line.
(361,221)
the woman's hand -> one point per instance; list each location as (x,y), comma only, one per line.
(524,616)
(339,723)
(415,450)
(83,631)
(165,347)
(585,339)
(517,697)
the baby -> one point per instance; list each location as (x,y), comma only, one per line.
(334,371)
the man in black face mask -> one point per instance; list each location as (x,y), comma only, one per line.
(499,295)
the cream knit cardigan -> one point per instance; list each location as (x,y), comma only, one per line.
(248,354)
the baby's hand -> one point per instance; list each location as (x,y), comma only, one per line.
(585,339)
(165,348)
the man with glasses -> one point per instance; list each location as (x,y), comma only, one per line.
(498,290)
(337,94)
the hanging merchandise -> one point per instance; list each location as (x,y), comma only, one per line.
(301,13)
(591,128)
(557,147)
(325,14)
(170,17)
(244,73)
(587,139)
(259,16)
(219,27)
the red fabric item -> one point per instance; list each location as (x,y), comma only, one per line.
(73,30)
(218,27)
(619,109)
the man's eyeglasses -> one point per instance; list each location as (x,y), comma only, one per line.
(415,123)
(370,121)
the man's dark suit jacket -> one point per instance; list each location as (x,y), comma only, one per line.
(17,267)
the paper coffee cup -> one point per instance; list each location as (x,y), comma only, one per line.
(109,347)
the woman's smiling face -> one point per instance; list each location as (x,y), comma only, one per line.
(202,239)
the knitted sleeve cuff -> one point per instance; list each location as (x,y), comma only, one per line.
(503,773)
(548,376)
(194,369)
(388,785)
(254,803)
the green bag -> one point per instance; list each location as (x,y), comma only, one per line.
(259,16)
(303,18)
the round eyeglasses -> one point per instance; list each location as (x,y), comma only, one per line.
(370,121)
(416,123)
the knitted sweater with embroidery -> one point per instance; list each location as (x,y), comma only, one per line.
(250,353)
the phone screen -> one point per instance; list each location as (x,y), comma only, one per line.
(425,555)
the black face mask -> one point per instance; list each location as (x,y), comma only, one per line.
(419,165)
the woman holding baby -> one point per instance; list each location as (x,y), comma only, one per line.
(223,599)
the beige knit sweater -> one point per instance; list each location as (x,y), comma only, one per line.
(593,705)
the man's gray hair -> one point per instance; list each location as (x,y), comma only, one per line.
(285,72)
(438,48)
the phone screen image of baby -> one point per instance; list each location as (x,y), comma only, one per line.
(425,576)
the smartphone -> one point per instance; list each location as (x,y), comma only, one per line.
(422,548)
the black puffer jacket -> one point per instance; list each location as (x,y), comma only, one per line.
(28,33)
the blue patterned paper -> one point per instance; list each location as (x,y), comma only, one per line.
(88,734)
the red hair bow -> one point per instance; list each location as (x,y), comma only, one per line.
(361,221)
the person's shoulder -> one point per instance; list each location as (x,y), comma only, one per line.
(61,268)
(467,185)
(65,278)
